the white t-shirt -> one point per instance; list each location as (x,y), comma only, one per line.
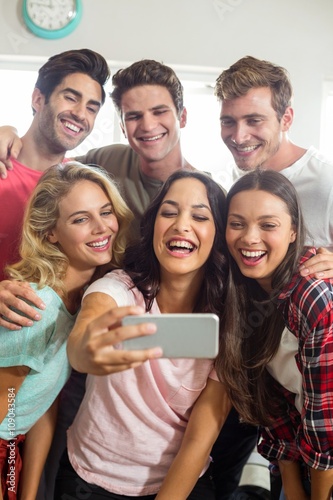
(130,424)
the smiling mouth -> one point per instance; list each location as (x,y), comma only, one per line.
(180,246)
(152,139)
(99,244)
(252,256)
(245,149)
(71,126)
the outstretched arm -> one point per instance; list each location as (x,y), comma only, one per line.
(11,295)
(98,329)
(206,420)
(10,146)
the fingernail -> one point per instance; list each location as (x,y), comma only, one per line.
(157,352)
(30,323)
(305,271)
(320,275)
(42,306)
(151,327)
(37,317)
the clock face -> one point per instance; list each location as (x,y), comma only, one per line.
(51,14)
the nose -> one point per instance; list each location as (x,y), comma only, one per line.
(99,226)
(251,235)
(79,111)
(148,122)
(182,224)
(240,133)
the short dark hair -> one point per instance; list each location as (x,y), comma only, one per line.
(140,261)
(147,72)
(85,61)
(249,73)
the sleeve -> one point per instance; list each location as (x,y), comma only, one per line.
(309,436)
(116,286)
(315,438)
(27,347)
(105,157)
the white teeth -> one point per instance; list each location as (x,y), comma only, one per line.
(73,127)
(152,138)
(247,148)
(181,244)
(99,244)
(247,253)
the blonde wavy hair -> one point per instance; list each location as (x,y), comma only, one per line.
(43,262)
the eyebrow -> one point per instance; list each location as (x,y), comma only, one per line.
(268,216)
(79,94)
(154,108)
(81,212)
(250,115)
(175,204)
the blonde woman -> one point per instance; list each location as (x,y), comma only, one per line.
(74,229)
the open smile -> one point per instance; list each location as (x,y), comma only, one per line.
(183,247)
(252,258)
(72,127)
(152,139)
(100,244)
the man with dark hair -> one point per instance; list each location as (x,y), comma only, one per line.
(66,99)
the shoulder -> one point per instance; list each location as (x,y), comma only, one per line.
(109,156)
(313,298)
(116,284)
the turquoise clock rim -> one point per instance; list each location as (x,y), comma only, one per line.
(53,34)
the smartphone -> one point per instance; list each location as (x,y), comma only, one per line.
(179,335)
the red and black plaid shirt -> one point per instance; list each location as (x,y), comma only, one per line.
(307,306)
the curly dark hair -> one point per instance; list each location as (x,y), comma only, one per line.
(140,261)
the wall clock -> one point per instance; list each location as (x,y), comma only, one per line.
(52,18)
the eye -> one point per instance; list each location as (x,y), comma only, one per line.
(70,98)
(160,111)
(129,118)
(107,213)
(79,220)
(92,109)
(236,225)
(168,213)
(268,226)
(226,122)
(200,217)
(254,121)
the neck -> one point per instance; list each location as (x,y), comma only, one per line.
(37,156)
(162,169)
(179,294)
(287,154)
(75,282)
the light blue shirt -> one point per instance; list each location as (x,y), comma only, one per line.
(41,347)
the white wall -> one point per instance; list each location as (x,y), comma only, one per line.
(296,34)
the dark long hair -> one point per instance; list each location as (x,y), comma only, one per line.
(140,261)
(251,324)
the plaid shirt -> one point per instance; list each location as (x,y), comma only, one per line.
(307,307)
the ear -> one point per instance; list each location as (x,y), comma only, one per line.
(52,238)
(122,128)
(37,99)
(183,118)
(293,235)
(287,119)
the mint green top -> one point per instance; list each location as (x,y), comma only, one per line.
(41,347)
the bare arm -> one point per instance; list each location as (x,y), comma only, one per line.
(10,293)
(36,447)
(11,379)
(320,266)
(90,346)
(10,146)
(205,423)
